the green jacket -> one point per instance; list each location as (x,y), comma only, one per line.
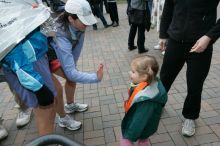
(142,119)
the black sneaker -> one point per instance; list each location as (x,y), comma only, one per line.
(115,24)
(95,28)
(143,51)
(130,48)
(107,25)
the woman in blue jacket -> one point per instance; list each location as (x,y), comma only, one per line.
(27,73)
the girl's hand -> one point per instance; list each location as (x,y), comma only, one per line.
(163,43)
(201,44)
(100,72)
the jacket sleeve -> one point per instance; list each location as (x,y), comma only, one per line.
(214,33)
(63,48)
(166,18)
(140,118)
(17,61)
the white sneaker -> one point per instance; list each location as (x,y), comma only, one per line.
(163,52)
(69,123)
(157,47)
(152,26)
(78,107)
(3,132)
(23,118)
(188,127)
(17,106)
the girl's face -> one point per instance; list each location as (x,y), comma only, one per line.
(135,77)
(77,24)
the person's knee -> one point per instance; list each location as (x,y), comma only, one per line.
(70,83)
(58,85)
(45,120)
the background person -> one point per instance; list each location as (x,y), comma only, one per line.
(113,11)
(95,5)
(191,29)
(137,17)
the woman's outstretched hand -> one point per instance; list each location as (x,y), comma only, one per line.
(100,72)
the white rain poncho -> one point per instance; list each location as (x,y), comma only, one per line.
(17,19)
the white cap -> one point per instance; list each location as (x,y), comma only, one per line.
(82,9)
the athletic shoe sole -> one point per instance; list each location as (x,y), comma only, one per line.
(75,128)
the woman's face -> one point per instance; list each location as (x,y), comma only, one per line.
(77,24)
(135,77)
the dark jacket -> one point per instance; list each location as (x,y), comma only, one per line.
(93,2)
(188,20)
(138,14)
(142,119)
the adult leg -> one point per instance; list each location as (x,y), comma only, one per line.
(58,102)
(132,33)
(64,120)
(115,14)
(70,88)
(100,14)
(158,16)
(101,5)
(44,116)
(141,38)
(154,13)
(173,62)
(21,104)
(159,13)
(3,131)
(150,5)
(111,12)
(45,119)
(72,106)
(198,65)
(24,115)
(106,6)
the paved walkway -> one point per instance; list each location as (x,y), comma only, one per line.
(101,123)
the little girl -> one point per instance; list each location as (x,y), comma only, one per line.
(143,108)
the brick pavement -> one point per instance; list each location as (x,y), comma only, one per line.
(101,123)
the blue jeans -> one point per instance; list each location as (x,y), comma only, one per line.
(149,5)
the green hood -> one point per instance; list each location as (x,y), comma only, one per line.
(155,92)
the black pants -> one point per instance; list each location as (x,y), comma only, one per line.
(106,6)
(141,36)
(99,14)
(113,11)
(198,65)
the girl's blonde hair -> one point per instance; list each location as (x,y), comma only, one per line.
(146,65)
